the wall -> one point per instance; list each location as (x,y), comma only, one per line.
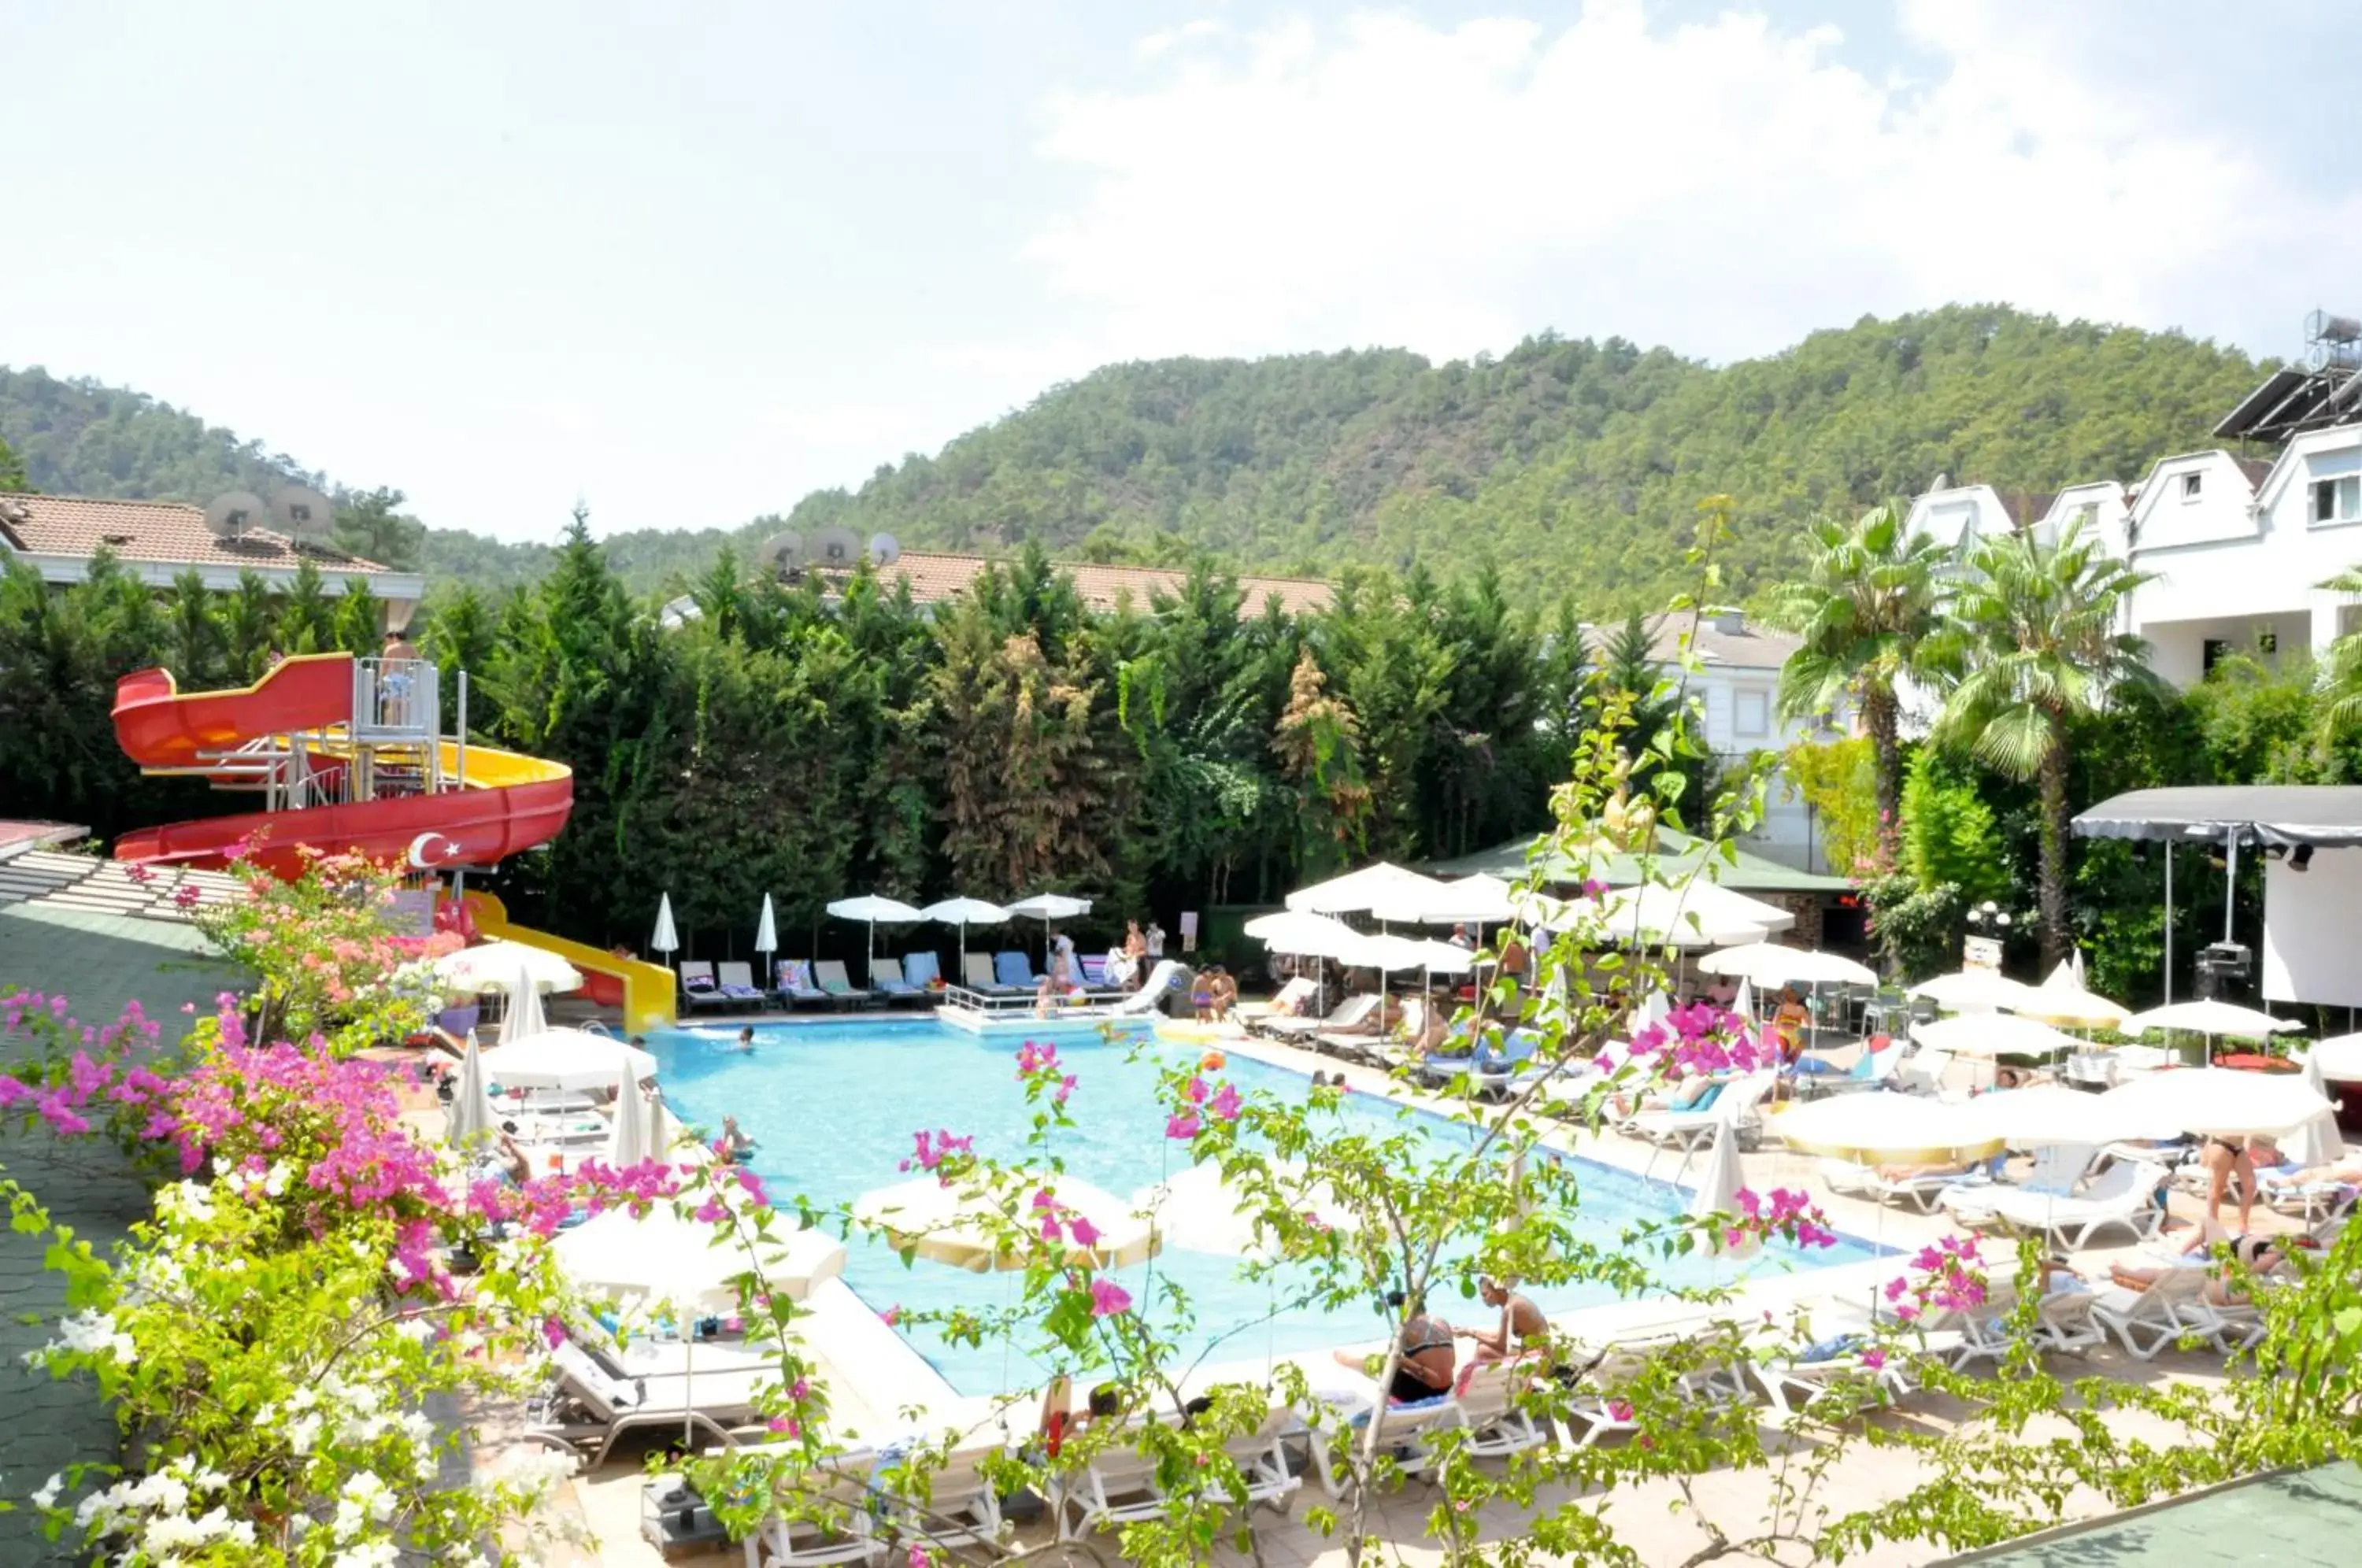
(2310,918)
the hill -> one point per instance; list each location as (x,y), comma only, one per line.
(1575,464)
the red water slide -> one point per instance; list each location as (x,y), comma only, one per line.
(509,802)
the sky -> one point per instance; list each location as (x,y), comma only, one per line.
(689,264)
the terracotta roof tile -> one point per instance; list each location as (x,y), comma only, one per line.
(155,531)
(935,578)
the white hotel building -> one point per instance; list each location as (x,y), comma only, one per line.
(2236,546)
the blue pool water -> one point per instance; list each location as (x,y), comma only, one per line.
(833,1105)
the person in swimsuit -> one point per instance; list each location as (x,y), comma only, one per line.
(1522,1323)
(2224,1158)
(1425,1367)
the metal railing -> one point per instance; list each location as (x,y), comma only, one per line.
(396,698)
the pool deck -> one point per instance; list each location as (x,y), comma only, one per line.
(876,1380)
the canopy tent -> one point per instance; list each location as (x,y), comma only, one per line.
(1360,893)
(1678,855)
(955,1224)
(495,966)
(568,1059)
(2324,816)
(963,913)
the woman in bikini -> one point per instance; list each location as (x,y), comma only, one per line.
(1425,1367)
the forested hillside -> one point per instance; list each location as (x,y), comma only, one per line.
(1575,465)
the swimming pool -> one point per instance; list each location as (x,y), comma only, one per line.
(833,1105)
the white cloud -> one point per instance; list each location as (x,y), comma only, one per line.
(1723,187)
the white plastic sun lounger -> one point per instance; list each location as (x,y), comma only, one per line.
(886,977)
(1119,1486)
(962,1505)
(1736,1105)
(1792,1384)
(1399,1427)
(1347,1014)
(2170,1310)
(844,1535)
(1924,1191)
(588,1409)
(2063,1324)
(2124,1197)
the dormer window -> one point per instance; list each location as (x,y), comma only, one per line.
(2337,500)
(2192,486)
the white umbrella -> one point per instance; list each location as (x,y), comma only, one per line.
(1472,900)
(1994,1035)
(767,932)
(871,908)
(567,1059)
(1048,907)
(2046,1114)
(1743,1003)
(665,940)
(494,967)
(2318,1141)
(1690,914)
(470,1116)
(964,913)
(1875,1129)
(1769,964)
(1966,989)
(2339,1057)
(1198,1211)
(2063,1000)
(633,1139)
(523,1018)
(1305,935)
(956,1224)
(1387,955)
(2210,1018)
(1359,893)
(2215,1102)
(1718,1188)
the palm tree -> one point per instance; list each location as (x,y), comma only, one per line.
(2038,645)
(1867,612)
(2342,679)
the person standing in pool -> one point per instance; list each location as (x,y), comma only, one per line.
(746,1038)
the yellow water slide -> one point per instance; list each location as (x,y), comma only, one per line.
(646,989)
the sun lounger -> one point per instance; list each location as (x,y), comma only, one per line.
(1793,1383)
(2170,1310)
(977,970)
(796,983)
(698,985)
(2122,1198)
(736,982)
(588,1408)
(830,973)
(1737,1104)
(1400,1428)
(1872,1070)
(1487,1395)
(2314,1202)
(1490,1071)
(1118,1485)
(921,969)
(846,1535)
(960,1508)
(1924,1191)
(1285,1003)
(1347,1014)
(886,979)
(1014,971)
(2063,1323)
(1094,972)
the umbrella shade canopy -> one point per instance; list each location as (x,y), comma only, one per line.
(1198,1211)
(873,908)
(1387,953)
(766,929)
(496,965)
(567,1059)
(1874,1128)
(1444,958)
(1305,934)
(1472,900)
(964,912)
(1698,914)
(1769,964)
(1975,988)
(633,1139)
(2062,1000)
(665,939)
(2217,1102)
(2211,1018)
(2318,1141)
(1050,906)
(1718,1185)
(2339,1058)
(958,1225)
(470,1116)
(2046,1114)
(1994,1035)
(524,1018)
(659,1253)
(1360,893)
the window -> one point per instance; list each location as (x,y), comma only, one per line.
(2337,500)
(1752,716)
(2192,486)
(2267,643)
(2211,654)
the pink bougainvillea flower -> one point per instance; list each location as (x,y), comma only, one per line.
(1084,1233)
(1225,1105)
(1182,1126)
(1108,1298)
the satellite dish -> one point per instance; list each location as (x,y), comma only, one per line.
(836,547)
(884,550)
(303,512)
(782,553)
(232,514)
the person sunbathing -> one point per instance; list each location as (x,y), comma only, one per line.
(1424,1369)
(1913,1173)
(1690,1094)
(2255,1254)
(1523,1326)
(2347,1169)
